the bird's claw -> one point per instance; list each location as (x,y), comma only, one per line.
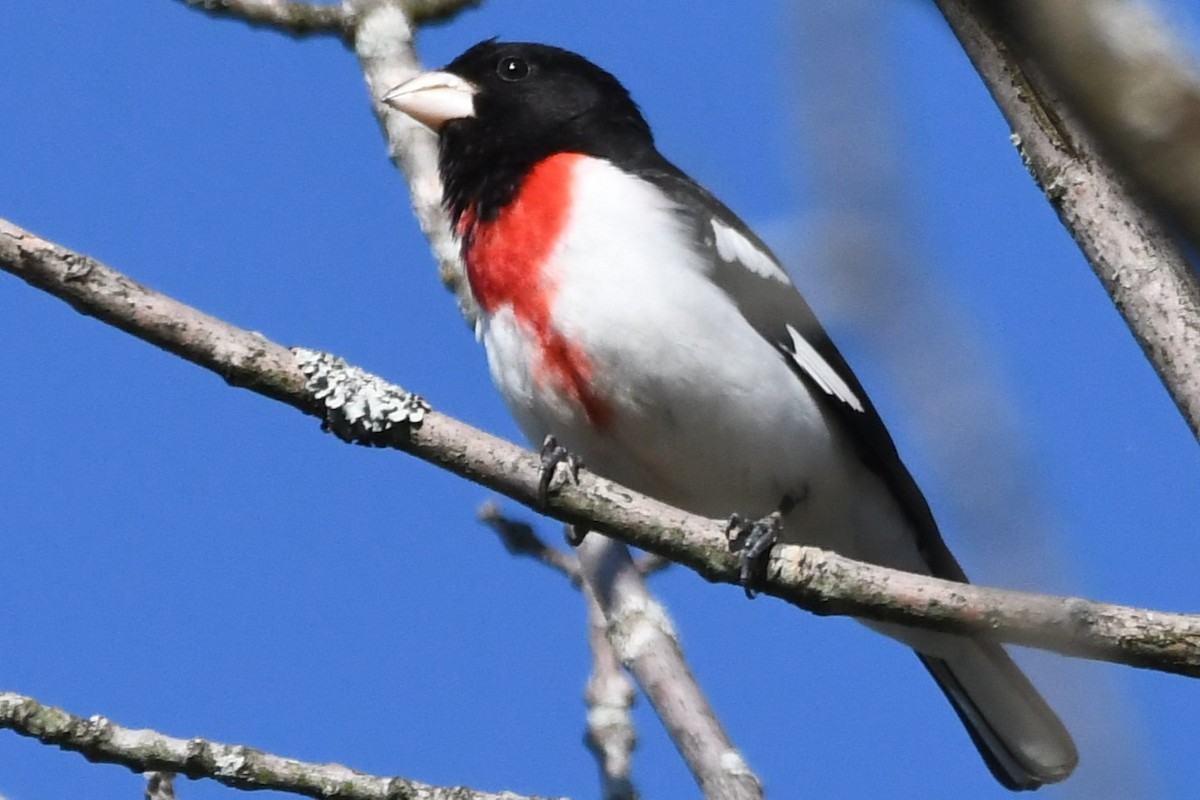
(552,456)
(757,538)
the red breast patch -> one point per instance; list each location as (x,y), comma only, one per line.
(506,260)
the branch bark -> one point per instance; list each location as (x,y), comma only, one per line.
(300,19)
(610,695)
(628,626)
(381,34)
(366,410)
(1132,253)
(645,640)
(99,740)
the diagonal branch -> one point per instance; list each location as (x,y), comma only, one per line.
(1149,279)
(141,750)
(381,34)
(628,626)
(363,409)
(644,638)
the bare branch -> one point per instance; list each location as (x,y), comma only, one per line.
(383,42)
(610,695)
(141,750)
(644,638)
(1119,66)
(287,16)
(822,582)
(424,12)
(1147,276)
(299,19)
(520,539)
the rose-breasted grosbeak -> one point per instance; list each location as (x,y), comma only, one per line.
(635,318)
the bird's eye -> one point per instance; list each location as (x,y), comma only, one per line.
(512,69)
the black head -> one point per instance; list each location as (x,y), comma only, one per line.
(532,97)
(526,102)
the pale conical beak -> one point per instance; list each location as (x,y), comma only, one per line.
(434,98)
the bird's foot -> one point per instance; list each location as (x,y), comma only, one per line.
(756,538)
(552,456)
(573,535)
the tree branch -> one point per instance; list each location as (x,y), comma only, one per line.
(286,16)
(1119,66)
(1150,281)
(627,625)
(644,639)
(520,539)
(383,42)
(141,750)
(610,695)
(381,35)
(366,410)
(299,19)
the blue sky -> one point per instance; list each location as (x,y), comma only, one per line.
(196,559)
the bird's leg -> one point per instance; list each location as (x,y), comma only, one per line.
(757,537)
(552,456)
(574,535)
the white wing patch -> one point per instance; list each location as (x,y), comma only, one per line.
(817,368)
(732,246)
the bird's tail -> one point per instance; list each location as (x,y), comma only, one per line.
(1022,740)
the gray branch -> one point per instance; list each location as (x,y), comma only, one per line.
(141,750)
(1143,102)
(610,695)
(300,19)
(366,410)
(643,637)
(160,786)
(520,539)
(383,42)
(287,16)
(628,626)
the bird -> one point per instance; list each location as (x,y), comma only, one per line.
(631,318)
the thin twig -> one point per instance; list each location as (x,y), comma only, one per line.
(520,539)
(141,750)
(649,563)
(819,581)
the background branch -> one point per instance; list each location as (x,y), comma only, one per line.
(287,16)
(317,19)
(1118,67)
(621,612)
(1118,64)
(610,695)
(97,739)
(819,581)
(646,642)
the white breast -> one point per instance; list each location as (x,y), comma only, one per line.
(699,398)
